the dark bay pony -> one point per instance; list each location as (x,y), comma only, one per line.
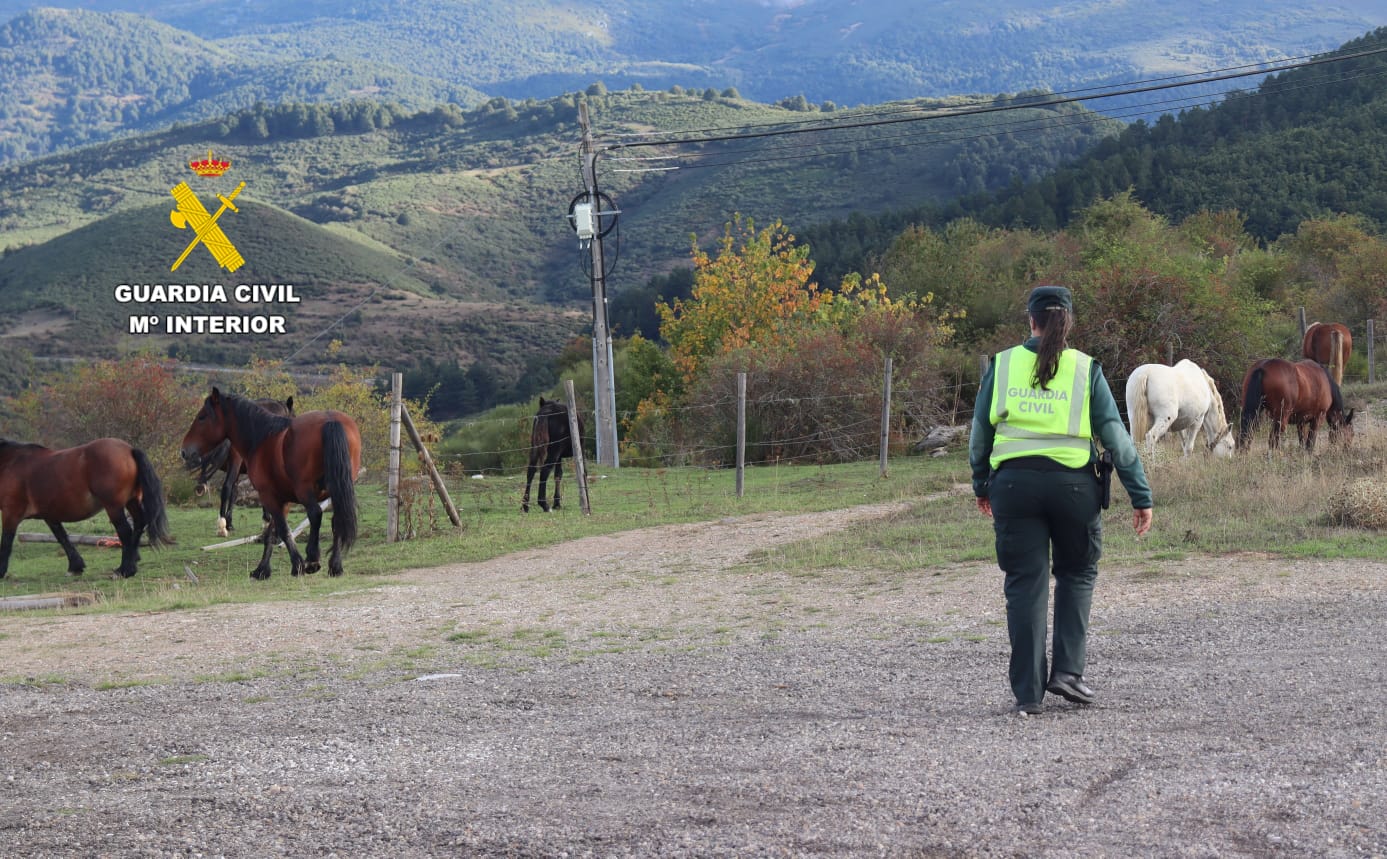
(72,484)
(1301,393)
(298,460)
(1318,343)
(550,442)
(223,458)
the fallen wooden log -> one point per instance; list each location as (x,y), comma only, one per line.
(77,539)
(37,601)
(326,505)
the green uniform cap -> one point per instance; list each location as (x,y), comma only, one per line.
(1050,298)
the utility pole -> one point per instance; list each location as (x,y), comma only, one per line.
(603,384)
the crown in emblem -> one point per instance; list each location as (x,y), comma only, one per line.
(209,166)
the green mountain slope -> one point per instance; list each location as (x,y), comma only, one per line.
(1303,144)
(91,292)
(466,210)
(72,76)
(86,73)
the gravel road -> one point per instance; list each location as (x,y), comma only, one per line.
(651,694)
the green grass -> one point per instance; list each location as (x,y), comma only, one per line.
(1256,502)
(1273,503)
(492,525)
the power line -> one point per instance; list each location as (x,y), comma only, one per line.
(1010,104)
(883,110)
(935,137)
(912,114)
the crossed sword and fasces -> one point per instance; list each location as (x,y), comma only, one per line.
(191,212)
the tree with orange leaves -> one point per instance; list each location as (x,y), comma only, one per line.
(748,294)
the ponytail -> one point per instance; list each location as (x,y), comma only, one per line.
(1054,326)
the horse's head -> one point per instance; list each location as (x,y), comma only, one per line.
(1340,426)
(210,465)
(207,432)
(1225,443)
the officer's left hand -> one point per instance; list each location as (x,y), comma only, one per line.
(984,506)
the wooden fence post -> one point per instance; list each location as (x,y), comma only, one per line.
(1372,357)
(580,469)
(438,485)
(392,491)
(1300,315)
(741,433)
(885,416)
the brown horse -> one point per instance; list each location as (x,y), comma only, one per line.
(223,458)
(1301,393)
(1318,344)
(550,442)
(302,460)
(70,485)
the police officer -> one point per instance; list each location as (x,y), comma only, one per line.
(1040,408)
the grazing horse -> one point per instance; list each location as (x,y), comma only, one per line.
(1318,343)
(550,442)
(223,458)
(70,485)
(1301,393)
(1181,399)
(301,459)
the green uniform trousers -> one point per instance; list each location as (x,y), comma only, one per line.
(1037,513)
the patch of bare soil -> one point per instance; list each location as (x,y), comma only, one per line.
(652,693)
(37,323)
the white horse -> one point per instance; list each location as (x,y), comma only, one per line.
(1182,399)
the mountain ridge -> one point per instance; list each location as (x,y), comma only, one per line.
(467,52)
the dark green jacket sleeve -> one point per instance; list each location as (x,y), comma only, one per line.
(1104,418)
(980,438)
(1108,428)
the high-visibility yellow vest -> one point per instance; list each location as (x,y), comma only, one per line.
(1037,422)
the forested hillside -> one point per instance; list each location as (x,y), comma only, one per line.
(85,72)
(70,77)
(445,229)
(1303,144)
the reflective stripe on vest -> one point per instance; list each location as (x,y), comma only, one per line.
(1035,422)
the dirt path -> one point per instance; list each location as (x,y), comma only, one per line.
(652,694)
(669,580)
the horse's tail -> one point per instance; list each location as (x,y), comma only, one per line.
(340,483)
(1252,404)
(1138,412)
(156,515)
(1307,342)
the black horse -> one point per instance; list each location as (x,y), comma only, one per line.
(223,458)
(550,442)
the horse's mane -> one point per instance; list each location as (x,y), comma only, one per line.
(1217,398)
(1336,396)
(6,443)
(255,422)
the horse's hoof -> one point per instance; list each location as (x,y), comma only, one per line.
(260,575)
(544,507)
(311,567)
(124,574)
(524,508)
